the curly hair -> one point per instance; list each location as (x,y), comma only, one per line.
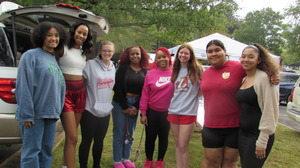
(194,68)
(267,63)
(124,57)
(39,34)
(87,44)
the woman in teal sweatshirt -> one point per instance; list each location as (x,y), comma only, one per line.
(40,93)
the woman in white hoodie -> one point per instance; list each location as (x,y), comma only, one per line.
(99,75)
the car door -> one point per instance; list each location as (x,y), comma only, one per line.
(9,130)
(296,97)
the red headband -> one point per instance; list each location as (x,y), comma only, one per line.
(165,51)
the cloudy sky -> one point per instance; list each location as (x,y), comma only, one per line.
(251,5)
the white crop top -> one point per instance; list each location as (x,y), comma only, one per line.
(72,62)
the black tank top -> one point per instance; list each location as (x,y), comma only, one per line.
(135,81)
(251,113)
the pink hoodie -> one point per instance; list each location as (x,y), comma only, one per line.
(157,90)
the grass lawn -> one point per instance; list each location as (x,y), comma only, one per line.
(285,152)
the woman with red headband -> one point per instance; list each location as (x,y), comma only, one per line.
(155,101)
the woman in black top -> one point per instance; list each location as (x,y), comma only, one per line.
(128,87)
(259,102)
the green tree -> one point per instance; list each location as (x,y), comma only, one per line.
(156,23)
(264,27)
(293,34)
(164,22)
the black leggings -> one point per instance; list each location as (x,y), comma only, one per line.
(247,146)
(92,128)
(158,125)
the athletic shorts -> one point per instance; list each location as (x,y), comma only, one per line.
(75,97)
(220,137)
(181,119)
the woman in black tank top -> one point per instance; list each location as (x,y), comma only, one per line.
(259,102)
(127,91)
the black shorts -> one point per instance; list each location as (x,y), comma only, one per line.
(220,137)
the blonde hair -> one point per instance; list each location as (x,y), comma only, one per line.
(105,42)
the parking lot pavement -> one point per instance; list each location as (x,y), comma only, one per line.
(14,160)
(285,120)
(7,151)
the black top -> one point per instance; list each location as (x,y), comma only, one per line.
(135,81)
(128,81)
(251,113)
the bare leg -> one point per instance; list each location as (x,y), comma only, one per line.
(182,134)
(212,157)
(230,158)
(70,122)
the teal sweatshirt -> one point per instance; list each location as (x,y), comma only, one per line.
(40,87)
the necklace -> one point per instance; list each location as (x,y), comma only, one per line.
(136,69)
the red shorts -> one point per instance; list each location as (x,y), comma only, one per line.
(181,119)
(75,97)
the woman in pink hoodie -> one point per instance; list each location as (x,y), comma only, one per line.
(155,101)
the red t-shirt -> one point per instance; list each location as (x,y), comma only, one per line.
(219,87)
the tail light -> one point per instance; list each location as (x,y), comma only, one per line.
(292,95)
(7,90)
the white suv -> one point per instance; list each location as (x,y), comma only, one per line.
(16,25)
(293,106)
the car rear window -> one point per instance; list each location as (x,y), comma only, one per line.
(289,77)
(6,57)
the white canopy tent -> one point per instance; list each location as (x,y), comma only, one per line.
(233,48)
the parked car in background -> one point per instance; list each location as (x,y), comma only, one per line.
(287,82)
(16,25)
(293,106)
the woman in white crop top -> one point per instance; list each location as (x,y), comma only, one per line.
(72,64)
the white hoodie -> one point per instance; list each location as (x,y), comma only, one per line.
(99,82)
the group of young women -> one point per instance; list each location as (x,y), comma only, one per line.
(241,101)
(241,106)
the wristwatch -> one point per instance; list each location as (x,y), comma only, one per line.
(142,114)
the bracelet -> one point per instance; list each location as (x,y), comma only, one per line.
(142,115)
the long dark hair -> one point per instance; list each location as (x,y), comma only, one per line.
(87,44)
